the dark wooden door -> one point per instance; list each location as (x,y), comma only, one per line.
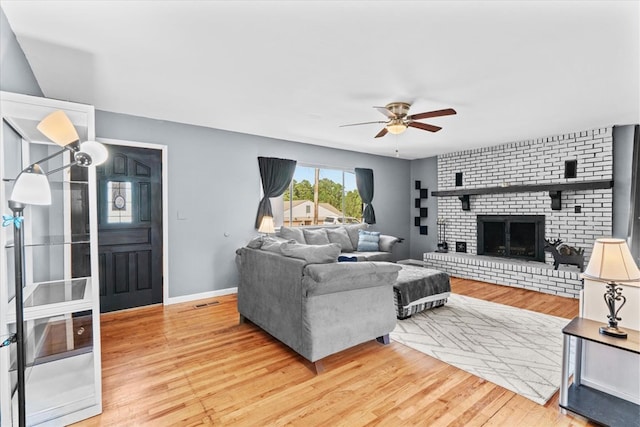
(130,228)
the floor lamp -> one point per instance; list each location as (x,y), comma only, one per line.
(31,187)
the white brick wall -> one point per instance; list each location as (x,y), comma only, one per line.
(539,161)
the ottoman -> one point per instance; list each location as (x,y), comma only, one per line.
(419,288)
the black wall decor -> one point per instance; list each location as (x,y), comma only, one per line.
(422,212)
(556,200)
(466,203)
(570,168)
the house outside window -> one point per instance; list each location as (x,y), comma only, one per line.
(319,195)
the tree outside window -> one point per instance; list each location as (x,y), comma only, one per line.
(319,196)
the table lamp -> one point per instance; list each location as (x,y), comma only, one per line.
(611,262)
(266,226)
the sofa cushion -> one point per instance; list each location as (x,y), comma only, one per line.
(387,242)
(326,279)
(373,256)
(352,231)
(316,237)
(313,254)
(292,233)
(368,241)
(340,236)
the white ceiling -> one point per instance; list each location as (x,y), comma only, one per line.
(297,70)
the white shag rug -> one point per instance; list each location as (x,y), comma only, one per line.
(517,349)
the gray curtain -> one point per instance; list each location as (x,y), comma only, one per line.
(276,175)
(364,182)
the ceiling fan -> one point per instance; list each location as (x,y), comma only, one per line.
(398,120)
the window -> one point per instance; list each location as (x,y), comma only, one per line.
(338,200)
(119,202)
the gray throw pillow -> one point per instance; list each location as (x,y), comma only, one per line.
(272,246)
(292,233)
(316,237)
(313,254)
(340,236)
(352,231)
(255,243)
(369,241)
(387,242)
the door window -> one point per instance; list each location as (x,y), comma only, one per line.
(119,202)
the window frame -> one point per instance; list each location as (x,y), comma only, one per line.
(343,217)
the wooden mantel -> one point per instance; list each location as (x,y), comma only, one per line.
(582,185)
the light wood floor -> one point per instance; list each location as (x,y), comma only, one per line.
(182,366)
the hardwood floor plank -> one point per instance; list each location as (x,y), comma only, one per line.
(184,366)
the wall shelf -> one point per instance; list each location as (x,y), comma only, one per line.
(582,185)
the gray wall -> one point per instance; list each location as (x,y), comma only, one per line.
(622,167)
(214,184)
(15,72)
(425,171)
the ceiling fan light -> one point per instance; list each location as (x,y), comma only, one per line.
(396,128)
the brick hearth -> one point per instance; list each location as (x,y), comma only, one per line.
(532,275)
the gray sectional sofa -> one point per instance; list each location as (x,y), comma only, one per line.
(346,236)
(299,294)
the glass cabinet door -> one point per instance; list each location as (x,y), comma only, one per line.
(60,296)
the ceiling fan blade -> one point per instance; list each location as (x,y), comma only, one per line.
(424,126)
(358,124)
(437,113)
(386,112)
(383,132)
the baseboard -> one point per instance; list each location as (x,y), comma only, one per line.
(202,295)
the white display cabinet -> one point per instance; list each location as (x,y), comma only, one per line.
(61,294)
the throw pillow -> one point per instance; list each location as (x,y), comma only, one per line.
(343,258)
(368,241)
(255,243)
(387,242)
(340,236)
(316,237)
(272,246)
(313,254)
(292,233)
(352,231)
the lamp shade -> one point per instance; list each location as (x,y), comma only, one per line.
(58,128)
(32,187)
(266,225)
(98,152)
(611,261)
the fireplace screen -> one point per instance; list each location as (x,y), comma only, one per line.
(511,236)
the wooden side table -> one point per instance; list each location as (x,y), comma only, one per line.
(594,404)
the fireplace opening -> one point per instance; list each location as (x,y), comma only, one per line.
(511,236)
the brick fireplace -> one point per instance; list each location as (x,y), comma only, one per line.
(556,187)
